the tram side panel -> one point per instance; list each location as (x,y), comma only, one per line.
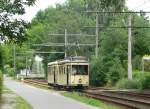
(50,75)
(67,74)
(63,75)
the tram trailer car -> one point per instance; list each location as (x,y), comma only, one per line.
(71,72)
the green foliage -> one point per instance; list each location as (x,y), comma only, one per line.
(98,76)
(116,72)
(141,37)
(22,104)
(89,101)
(143,78)
(12,29)
(1,58)
(137,62)
(140,81)
(128,84)
(1,81)
(111,64)
(147,65)
(145,81)
(10,72)
(106,5)
(113,49)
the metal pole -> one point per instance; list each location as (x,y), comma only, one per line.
(129,49)
(97,34)
(14,53)
(66,43)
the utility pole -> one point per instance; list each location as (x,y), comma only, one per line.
(115,12)
(97,34)
(14,55)
(66,43)
(129,48)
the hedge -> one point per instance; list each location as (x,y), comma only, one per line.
(1,81)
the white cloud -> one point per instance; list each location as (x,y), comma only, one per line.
(138,5)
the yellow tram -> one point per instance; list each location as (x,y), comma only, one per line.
(70,72)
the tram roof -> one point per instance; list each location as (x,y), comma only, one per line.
(70,60)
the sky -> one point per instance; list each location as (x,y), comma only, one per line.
(39,5)
(135,5)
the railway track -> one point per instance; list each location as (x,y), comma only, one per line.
(42,82)
(129,99)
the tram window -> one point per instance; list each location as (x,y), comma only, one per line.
(74,69)
(80,69)
(64,70)
(60,69)
(68,69)
(83,69)
(49,70)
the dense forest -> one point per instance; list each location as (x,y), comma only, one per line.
(111,64)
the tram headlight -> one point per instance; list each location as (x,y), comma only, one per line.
(80,80)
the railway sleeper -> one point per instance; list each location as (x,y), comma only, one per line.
(133,94)
(119,100)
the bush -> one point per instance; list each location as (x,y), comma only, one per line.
(128,84)
(116,72)
(98,73)
(10,72)
(143,78)
(145,81)
(137,62)
(1,81)
(137,74)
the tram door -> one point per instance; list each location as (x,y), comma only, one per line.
(55,74)
(68,71)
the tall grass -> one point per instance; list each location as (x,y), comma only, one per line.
(1,81)
(141,80)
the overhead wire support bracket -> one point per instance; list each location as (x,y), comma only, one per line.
(63,44)
(48,52)
(71,34)
(66,44)
(118,26)
(125,12)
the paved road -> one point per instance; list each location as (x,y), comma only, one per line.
(43,99)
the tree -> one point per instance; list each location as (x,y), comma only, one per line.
(11,28)
(111,64)
(106,5)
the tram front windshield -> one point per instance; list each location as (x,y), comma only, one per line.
(80,69)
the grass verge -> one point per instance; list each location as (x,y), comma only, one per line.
(13,101)
(90,101)
(22,104)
